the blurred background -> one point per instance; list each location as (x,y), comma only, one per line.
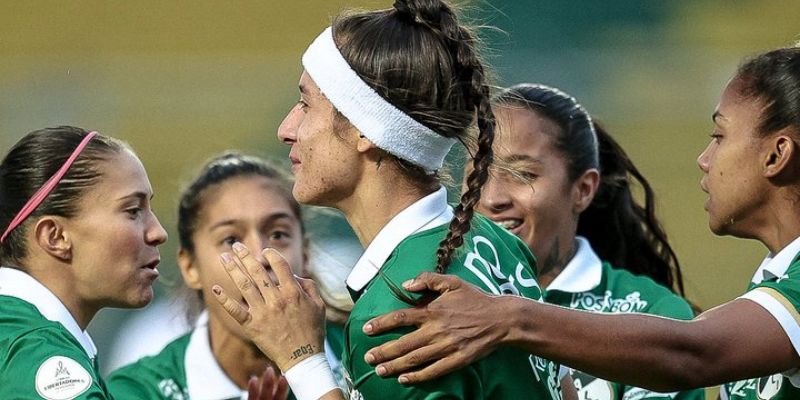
(183,80)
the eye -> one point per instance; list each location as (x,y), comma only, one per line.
(230,240)
(716,136)
(303,105)
(280,235)
(133,212)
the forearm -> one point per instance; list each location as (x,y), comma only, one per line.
(651,352)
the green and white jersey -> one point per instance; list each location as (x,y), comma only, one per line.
(589,284)
(776,287)
(43,352)
(186,369)
(491,258)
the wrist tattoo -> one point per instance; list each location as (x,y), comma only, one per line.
(302,351)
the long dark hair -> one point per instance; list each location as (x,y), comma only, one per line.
(30,163)
(420,58)
(621,230)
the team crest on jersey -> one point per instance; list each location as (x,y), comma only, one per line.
(62,378)
(769,386)
(171,390)
(591,388)
(351,389)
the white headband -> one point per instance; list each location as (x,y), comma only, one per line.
(381,122)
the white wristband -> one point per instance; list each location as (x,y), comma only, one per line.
(311,378)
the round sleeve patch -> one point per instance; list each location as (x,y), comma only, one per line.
(62,378)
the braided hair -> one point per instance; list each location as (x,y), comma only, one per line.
(446,90)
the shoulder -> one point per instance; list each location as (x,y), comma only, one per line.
(20,318)
(149,373)
(653,298)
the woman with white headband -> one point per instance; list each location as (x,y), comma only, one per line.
(74,207)
(383,97)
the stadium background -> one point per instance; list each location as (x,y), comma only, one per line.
(182,80)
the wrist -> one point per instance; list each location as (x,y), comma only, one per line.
(517,325)
(298,355)
(311,378)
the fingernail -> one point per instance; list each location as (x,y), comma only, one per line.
(368,328)
(402,379)
(381,370)
(407,284)
(225,257)
(217,290)
(239,248)
(369,358)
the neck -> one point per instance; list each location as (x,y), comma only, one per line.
(561,252)
(58,280)
(238,358)
(374,204)
(780,223)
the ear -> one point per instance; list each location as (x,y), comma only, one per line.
(584,188)
(189,270)
(779,155)
(51,235)
(364,145)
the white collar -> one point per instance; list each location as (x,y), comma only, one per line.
(583,272)
(15,283)
(426,213)
(205,379)
(777,264)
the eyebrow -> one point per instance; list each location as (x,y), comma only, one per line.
(142,196)
(270,219)
(302,89)
(522,158)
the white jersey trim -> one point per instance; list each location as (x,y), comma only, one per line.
(786,318)
(582,273)
(426,213)
(15,283)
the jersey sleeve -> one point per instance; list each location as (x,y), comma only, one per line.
(462,384)
(781,298)
(45,364)
(126,384)
(672,306)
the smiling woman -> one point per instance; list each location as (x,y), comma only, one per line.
(75,206)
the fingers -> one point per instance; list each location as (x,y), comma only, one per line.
(235,309)
(282,391)
(394,319)
(268,382)
(281,268)
(252,266)
(249,291)
(433,371)
(310,287)
(432,281)
(397,348)
(253,390)
(412,360)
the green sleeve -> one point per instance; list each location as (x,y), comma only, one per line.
(37,354)
(126,384)
(672,306)
(462,384)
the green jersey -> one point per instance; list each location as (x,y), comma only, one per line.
(491,258)
(43,352)
(165,376)
(776,287)
(589,284)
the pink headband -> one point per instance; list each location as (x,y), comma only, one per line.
(48,186)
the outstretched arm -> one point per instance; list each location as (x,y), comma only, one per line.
(724,344)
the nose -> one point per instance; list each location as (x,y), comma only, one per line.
(287,131)
(494,198)
(156,234)
(257,244)
(703,158)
